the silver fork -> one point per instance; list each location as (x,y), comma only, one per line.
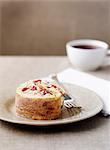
(69,102)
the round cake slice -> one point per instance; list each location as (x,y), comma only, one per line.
(39,99)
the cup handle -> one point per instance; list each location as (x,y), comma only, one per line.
(108,52)
(107,60)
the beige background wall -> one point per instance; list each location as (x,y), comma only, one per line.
(40,27)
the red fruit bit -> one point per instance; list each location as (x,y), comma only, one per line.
(24,89)
(35,81)
(62,93)
(33,88)
(50,93)
(54,86)
(41,90)
(44,91)
(48,87)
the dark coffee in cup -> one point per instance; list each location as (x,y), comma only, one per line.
(85,46)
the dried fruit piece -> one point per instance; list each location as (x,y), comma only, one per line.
(35,81)
(33,88)
(24,89)
(54,86)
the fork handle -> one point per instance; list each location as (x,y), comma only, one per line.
(54,77)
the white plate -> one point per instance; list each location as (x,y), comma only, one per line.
(91,105)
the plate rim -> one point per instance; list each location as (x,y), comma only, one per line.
(59,122)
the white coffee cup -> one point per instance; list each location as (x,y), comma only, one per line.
(87,54)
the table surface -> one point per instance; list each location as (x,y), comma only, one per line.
(90,134)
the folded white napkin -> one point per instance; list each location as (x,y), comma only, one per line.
(100,86)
